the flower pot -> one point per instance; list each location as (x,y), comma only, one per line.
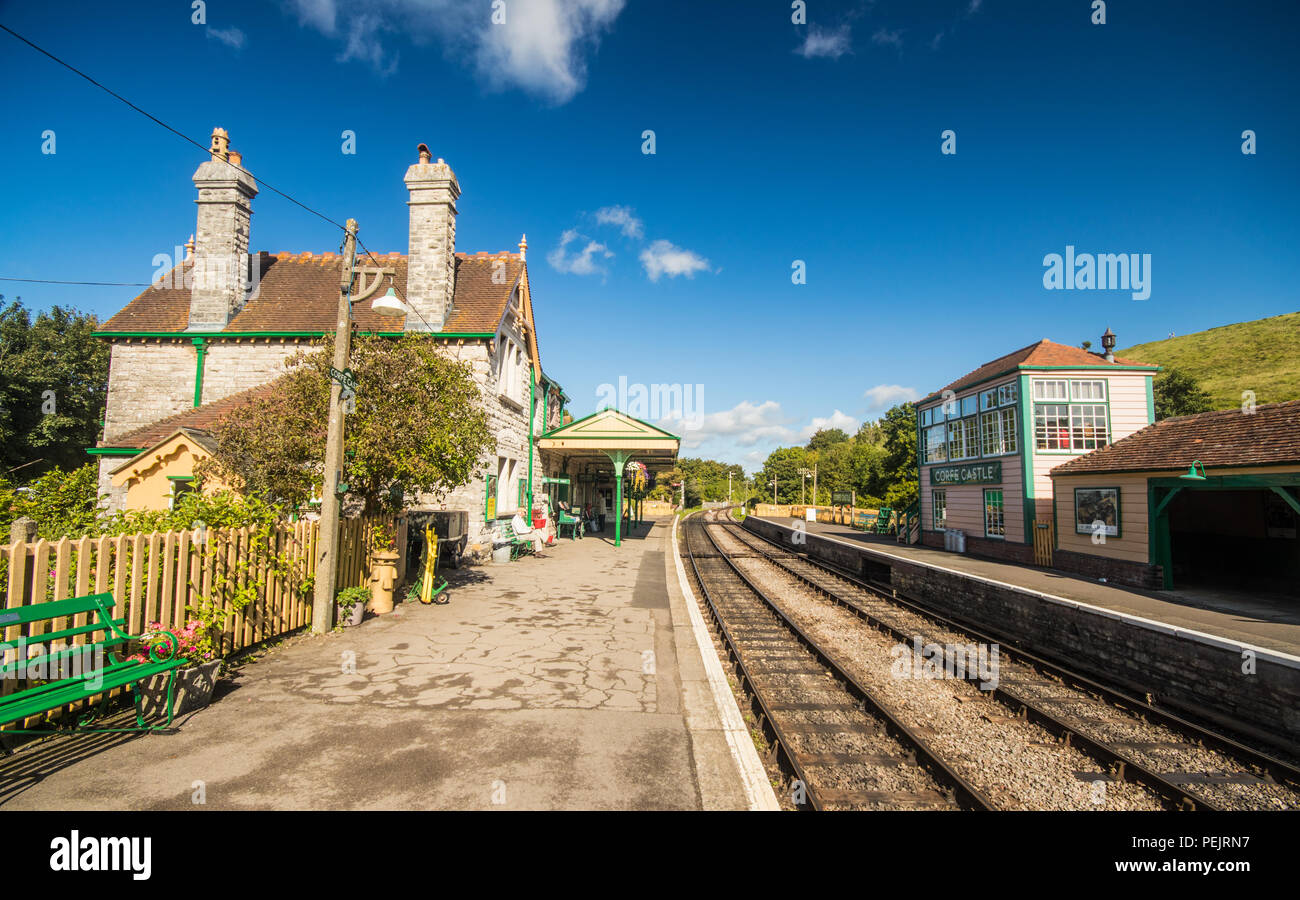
(353,618)
(383,578)
(193,690)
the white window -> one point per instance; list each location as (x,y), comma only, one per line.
(1087,390)
(963,439)
(1050,390)
(936,449)
(998,429)
(1007,393)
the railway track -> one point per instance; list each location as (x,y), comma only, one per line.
(1188,766)
(839,745)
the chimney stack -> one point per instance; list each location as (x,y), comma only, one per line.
(225,201)
(431,264)
(1108,345)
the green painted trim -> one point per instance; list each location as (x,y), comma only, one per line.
(1151,401)
(1290,501)
(532,427)
(180,477)
(115,451)
(236,335)
(1159,548)
(1119,508)
(662,434)
(201,350)
(984,511)
(1027,490)
(1264,482)
(1231,482)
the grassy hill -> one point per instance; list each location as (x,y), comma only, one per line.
(1261,356)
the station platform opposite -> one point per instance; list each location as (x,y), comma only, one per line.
(1232,659)
(570,680)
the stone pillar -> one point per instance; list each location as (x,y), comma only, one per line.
(22,529)
(220,273)
(431,264)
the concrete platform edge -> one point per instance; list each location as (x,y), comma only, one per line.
(723,711)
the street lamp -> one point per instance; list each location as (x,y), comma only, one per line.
(389,306)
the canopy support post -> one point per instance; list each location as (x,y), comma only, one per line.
(619,458)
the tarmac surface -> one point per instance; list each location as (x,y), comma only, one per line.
(1272,622)
(568,681)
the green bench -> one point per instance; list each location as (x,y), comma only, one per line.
(518,546)
(61,675)
(564,520)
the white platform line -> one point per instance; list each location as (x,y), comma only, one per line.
(752,773)
(1213,640)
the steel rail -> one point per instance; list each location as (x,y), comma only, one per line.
(927,758)
(1279,771)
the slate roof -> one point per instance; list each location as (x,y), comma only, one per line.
(1040,353)
(300,293)
(1269,436)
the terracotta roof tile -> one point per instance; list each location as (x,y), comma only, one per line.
(1040,353)
(299,292)
(1269,436)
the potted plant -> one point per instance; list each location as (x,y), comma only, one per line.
(383,569)
(352,605)
(194,681)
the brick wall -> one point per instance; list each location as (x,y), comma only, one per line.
(1120,571)
(1182,672)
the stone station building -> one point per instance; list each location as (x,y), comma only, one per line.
(219,326)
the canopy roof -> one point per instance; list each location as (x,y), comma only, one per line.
(608,432)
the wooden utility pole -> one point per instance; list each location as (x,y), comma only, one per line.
(322,610)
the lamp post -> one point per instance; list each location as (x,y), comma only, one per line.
(322,615)
(803,480)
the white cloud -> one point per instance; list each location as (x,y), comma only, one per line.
(744,425)
(623,218)
(540,48)
(231,37)
(581,263)
(886,37)
(824,42)
(666,258)
(884,396)
(836,419)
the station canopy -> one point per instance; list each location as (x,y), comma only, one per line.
(610,436)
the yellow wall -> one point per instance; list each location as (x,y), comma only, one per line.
(1132,543)
(145,477)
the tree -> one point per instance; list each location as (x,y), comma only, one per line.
(62,503)
(418,427)
(899,464)
(827,437)
(53,387)
(1178,393)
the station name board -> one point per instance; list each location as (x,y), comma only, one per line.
(975,473)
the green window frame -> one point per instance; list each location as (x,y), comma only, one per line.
(522,501)
(939,509)
(935,445)
(998,432)
(995,519)
(1071,415)
(490,499)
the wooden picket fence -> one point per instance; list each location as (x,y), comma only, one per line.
(154,577)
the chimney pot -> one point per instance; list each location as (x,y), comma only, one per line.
(423,151)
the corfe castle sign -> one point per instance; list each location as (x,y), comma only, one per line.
(976,473)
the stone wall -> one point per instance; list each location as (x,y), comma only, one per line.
(234,366)
(1184,672)
(147,380)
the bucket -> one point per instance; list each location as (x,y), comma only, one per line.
(501,555)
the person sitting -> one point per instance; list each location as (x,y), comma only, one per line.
(525,531)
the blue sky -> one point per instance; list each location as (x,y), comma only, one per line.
(775,142)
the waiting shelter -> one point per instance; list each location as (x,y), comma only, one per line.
(1201,500)
(594,452)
